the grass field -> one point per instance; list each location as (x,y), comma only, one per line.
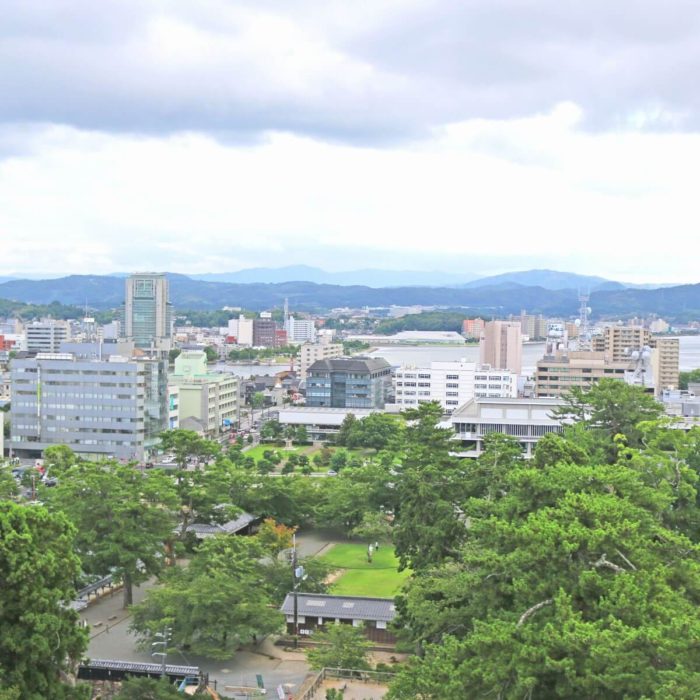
(380,579)
(257,452)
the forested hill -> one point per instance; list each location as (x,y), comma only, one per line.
(105,292)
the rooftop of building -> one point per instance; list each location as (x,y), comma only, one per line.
(338,606)
(350,364)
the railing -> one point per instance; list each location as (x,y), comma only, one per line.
(308,689)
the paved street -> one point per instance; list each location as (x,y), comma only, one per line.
(111,640)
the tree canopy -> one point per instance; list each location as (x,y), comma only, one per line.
(40,637)
(576,575)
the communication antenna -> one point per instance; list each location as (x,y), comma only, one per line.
(584,333)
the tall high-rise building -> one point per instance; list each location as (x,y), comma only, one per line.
(148,317)
(501,346)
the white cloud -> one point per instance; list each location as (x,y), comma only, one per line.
(533,191)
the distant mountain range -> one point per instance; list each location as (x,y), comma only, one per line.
(367,277)
(495,296)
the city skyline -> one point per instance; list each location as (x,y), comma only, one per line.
(409,135)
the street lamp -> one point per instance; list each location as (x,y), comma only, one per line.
(165,640)
(298,576)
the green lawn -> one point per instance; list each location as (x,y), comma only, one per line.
(257,452)
(380,579)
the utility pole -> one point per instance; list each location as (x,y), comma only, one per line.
(165,640)
(294,590)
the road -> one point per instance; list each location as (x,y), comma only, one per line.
(110,639)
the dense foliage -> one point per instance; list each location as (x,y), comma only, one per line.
(426,321)
(40,639)
(576,575)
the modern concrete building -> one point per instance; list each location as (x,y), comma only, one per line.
(99,408)
(46,335)
(558,373)
(300,330)
(148,318)
(473,327)
(209,397)
(264,332)
(527,420)
(451,384)
(349,383)
(665,362)
(320,423)
(619,343)
(310,353)
(501,346)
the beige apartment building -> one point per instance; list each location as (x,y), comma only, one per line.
(557,374)
(501,346)
(312,352)
(665,362)
(618,342)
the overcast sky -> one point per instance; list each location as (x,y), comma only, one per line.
(474,135)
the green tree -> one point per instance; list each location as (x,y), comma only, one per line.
(122,516)
(272,430)
(40,637)
(374,527)
(610,408)
(302,436)
(215,604)
(8,484)
(339,646)
(685,378)
(279,579)
(378,430)
(211,353)
(347,428)
(431,487)
(58,459)
(265,466)
(173,355)
(568,585)
(148,689)
(186,445)
(339,460)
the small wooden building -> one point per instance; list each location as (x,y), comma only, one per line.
(315,611)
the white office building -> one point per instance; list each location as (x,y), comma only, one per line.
(300,330)
(46,335)
(526,420)
(452,384)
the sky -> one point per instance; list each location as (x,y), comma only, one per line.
(475,136)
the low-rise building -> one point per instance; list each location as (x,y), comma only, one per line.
(210,397)
(527,420)
(320,423)
(314,611)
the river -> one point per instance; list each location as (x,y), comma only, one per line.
(422,355)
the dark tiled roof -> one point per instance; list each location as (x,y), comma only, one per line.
(229,528)
(340,606)
(342,364)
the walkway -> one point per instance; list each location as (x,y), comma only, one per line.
(110,639)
